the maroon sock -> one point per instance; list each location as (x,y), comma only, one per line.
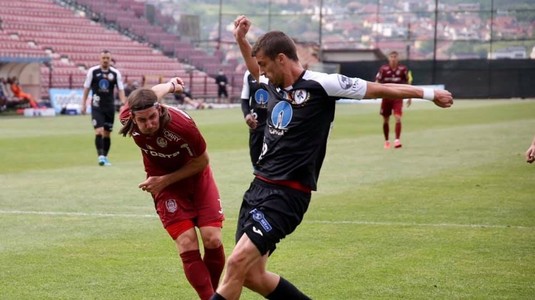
(398,130)
(386,129)
(214,259)
(197,273)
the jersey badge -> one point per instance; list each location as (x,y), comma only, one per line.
(345,82)
(161,142)
(300,96)
(171,205)
(111,77)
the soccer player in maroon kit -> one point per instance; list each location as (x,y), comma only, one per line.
(393,72)
(180,181)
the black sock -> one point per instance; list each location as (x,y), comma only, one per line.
(106,144)
(98,144)
(286,290)
(216,296)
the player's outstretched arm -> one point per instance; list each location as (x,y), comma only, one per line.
(174,85)
(441,98)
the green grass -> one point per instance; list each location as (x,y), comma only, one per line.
(449,216)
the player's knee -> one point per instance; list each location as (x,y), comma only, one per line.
(236,263)
(212,240)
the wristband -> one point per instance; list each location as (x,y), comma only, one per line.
(173,86)
(429,94)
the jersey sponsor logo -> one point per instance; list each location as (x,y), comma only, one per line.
(281,115)
(170,136)
(259,217)
(161,142)
(171,205)
(103,84)
(159,154)
(300,96)
(345,82)
(261,97)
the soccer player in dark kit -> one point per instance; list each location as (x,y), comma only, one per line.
(301,108)
(102,80)
(180,181)
(393,72)
(254,108)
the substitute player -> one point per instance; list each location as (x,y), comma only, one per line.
(393,72)
(254,107)
(180,181)
(102,80)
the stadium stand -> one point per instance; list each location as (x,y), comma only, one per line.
(128,16)
(73,38)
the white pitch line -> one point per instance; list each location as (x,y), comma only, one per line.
(73,214)
(419,224)
(115,215)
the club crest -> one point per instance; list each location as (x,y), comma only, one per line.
(171,205)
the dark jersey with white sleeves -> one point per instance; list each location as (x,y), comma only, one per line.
(298,124)
(102,84)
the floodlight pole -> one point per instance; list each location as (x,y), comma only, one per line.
(320,25)
(434,71)
(220,24)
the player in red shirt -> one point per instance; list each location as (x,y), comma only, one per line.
(393,72)
(180,180)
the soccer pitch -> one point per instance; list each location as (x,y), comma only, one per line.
(451,215)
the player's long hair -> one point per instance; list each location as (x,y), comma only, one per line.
(275,42)
(141,99)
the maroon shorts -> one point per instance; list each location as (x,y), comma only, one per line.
(194,201)
(389,105)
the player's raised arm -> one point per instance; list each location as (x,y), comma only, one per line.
(241,26)
(442,98)
(174,85)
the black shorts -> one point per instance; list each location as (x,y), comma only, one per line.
(269,213)
(102,118)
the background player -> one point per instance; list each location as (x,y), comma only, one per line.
(393,72)
(102,80)
(180,180)
(254,107)
(185,98)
